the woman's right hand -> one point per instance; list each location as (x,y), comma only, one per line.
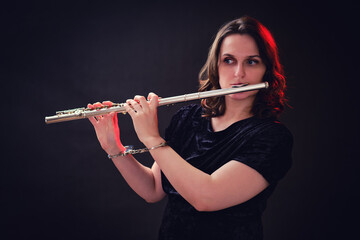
(107,129)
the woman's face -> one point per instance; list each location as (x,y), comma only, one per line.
(240,62)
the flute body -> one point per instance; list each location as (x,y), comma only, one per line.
(81,113)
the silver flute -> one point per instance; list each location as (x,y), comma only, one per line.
(81,113)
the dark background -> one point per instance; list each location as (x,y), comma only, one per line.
(56,181)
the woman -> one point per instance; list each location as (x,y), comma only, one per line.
(219,162)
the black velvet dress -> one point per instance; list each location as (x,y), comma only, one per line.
(263,144)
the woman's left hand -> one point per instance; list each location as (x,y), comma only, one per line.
(144,117)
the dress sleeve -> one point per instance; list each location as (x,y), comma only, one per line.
(269,153)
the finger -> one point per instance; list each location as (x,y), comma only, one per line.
(154,100)
(90,106)
(128,102)
(97,105)
(108,115)
(93,121)
(107,103)
(141,99)
(129,109)
(136,106)
(113,115)
(151,95)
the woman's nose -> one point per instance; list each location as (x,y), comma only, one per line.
(239,71)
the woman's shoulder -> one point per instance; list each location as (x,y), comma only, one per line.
(273,129)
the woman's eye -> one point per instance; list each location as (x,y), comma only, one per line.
(228,60)
(253,61)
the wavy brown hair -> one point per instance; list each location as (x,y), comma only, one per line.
(268,102)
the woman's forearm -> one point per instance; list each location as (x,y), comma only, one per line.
(140,178)
(190,182)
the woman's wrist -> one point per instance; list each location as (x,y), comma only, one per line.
(154,141)
(115,150)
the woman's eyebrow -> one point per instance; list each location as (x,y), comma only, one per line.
(253,56)
(230,55)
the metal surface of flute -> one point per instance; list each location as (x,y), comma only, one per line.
(81,113)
